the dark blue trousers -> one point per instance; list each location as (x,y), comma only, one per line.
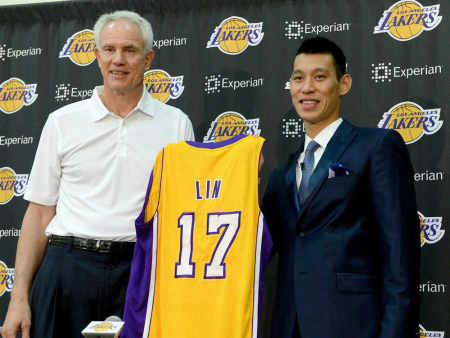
(74,287)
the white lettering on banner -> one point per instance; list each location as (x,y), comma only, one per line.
(227,83)
(7,141)
(385,71)
(175,42)
(81,93)
(317,29)
(215,82)
(417,71)
(430,287)
(12,232)
(298,29)
(429,176)
(15,53)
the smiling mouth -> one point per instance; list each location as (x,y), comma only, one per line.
(309,101)
(118,73)
(309,104)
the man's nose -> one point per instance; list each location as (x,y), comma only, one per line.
(118,57)
(308,85)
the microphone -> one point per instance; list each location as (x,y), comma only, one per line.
(109,328)
(113,318)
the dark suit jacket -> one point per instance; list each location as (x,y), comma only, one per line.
(349,256)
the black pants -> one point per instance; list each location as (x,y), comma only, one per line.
(74,287)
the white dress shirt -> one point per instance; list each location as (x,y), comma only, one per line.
(322,139)
(95,166)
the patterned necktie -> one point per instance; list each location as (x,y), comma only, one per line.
(307,168)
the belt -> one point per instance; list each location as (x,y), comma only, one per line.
(93,245)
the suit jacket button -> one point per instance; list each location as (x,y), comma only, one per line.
(302,234)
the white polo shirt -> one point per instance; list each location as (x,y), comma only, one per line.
(95,166)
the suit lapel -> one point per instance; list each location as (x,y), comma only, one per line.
(338,144)
(291,177)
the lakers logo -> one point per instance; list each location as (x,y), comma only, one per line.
(406,20)
(411,121)
(11,184)
(430,229)
(103,326)
(80,48)
(427,334)
(235,34)
(6,278)
(14,94)
(230,124)
(162,86)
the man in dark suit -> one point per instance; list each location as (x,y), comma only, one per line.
(343,216)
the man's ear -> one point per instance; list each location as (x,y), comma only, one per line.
(149,59)
(345,83)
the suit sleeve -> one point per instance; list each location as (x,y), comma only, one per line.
(395,211)
(269,207)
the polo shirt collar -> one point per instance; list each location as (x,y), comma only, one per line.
(145,105)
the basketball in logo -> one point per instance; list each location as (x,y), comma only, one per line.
(11,184)
(162,86)
(7,185)
(422,229)
(404,32)
(235,34)
(408,109)
(157,83)
(11,102)
(422,333)
(236,26)
(85,42)
(4,278)
(14,94)
(80,48)
(228,120)
(229,124)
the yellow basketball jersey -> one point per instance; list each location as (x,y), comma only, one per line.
(207,241)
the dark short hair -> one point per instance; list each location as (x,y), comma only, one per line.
(321,45)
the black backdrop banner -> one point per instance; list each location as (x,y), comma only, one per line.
(227,65)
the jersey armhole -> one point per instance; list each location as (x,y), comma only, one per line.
(155,190)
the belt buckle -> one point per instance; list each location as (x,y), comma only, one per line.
(103,246)
(84,243)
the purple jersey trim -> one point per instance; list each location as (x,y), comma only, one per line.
(141,217)
(259,185)
(266,248)
(135,310)
(139,283)
(216,144)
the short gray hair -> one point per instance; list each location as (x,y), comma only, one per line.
(128,16)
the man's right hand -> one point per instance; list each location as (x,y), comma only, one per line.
(18,319)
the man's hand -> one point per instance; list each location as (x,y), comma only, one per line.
(18,319)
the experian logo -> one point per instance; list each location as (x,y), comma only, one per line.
(215,83)
(386,72)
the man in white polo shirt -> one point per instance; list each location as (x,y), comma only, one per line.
(86,188)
